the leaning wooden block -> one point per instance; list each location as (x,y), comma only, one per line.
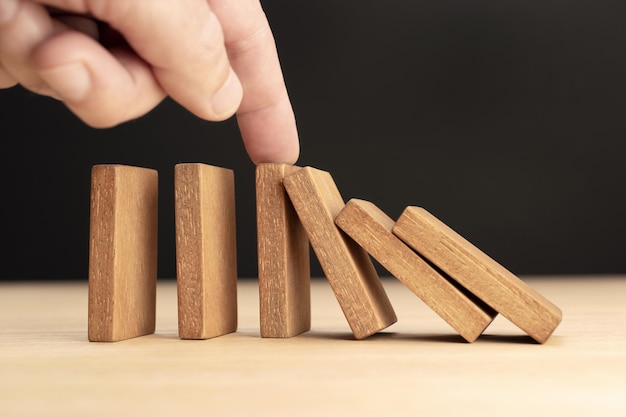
(347,266)
(371,228)
(480,274)
(283,257)
(206,261)
(122,252)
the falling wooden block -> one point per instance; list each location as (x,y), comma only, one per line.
(347,266)
(371,228)
(122,252)
(479,273)
(206,261)
(283,257)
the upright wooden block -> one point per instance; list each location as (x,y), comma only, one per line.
(347,266)
(479,273)
(122,252)
(371,228)
(206,261)
(283,257)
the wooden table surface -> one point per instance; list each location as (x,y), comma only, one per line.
(418,366)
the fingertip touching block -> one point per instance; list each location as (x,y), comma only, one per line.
(371,228)
(283,257)
(480,274)
(347,266)
(206,260)
(122,252)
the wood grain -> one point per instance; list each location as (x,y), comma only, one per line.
(347,266)
(371,228)
(479,273)
(122,252)
(206,261)
(283,257)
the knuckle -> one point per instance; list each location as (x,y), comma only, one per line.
(253,40)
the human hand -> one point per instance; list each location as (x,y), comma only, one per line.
(214,57)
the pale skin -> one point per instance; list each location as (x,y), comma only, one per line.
(216,58)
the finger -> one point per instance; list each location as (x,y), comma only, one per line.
(182,42)
(266,119)
(8,10)
(102,87)
(22,28)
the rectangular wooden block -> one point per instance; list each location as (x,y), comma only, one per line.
(479,273)
(347,266)
(283,257)
(206,260)
(122,252)
(371,228)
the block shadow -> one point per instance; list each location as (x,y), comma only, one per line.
(383,336)
(413,337)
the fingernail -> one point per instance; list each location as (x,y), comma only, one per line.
(70,82)
(226,100)
(8,9)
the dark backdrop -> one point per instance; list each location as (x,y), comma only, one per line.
(503,118)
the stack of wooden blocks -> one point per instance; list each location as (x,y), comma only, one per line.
(295,207)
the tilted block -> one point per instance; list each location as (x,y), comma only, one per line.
(478,273)
(347,266)
(371,228)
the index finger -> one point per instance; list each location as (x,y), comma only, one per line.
(265,116)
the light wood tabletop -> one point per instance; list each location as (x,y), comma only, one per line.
(418,366)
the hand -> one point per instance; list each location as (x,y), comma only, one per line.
(214,57)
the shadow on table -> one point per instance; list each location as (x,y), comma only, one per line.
(412,337)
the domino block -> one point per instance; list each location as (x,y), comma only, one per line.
(480,274)
(206,261)
(371,228)
(122,252)
(283,257)
(347,266)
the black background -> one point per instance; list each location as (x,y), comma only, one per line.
(503,118)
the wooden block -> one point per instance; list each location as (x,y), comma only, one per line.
(122,252)
(347,266)
(283,257)
(371,228)
(206,260)
(479,273)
